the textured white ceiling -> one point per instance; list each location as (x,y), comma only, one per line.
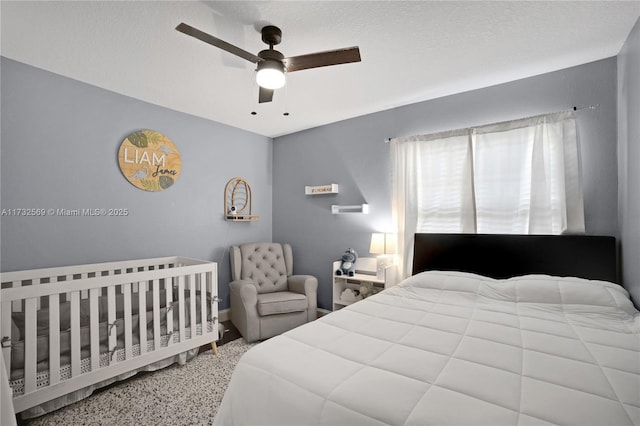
(411,50)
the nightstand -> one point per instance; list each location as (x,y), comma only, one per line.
(366,274)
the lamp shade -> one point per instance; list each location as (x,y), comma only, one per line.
(270,74)
(382,243)
(377,243)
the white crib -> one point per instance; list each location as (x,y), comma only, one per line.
(64,329)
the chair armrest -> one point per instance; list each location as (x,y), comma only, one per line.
(307,285)
(303,284)
(244,309)
(245,290)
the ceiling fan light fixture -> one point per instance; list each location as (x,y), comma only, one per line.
(270,74)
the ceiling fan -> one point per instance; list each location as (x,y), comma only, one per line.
(271,64)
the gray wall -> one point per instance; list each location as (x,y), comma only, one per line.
(59,141)
(629,160)
(59,144)
(353,154)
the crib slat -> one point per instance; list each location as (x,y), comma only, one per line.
(181,307)
(54,339)
(75,333)
(142,316)
(156,314)
(38,301)
(212,286)
(169,297)
(192,296)
(203,303)
(5,330)
(30,345)
(128,326)
(94,323)
(111,321)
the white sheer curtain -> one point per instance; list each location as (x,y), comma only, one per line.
(516,177)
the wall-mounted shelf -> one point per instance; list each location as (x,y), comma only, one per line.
(237,201)
(358,208)
(242,218)
(331,188)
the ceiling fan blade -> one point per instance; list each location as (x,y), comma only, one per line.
(265,95)
(214,41)
(322,59)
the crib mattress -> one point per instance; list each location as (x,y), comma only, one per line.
(449,348)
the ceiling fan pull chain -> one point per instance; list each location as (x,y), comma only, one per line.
(286,100)
(254,101)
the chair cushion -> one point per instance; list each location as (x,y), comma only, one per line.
(281,302)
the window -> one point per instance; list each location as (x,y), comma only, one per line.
(517,177)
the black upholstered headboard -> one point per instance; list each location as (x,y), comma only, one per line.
(503,256)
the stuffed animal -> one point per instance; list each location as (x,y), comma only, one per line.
(348,265)
(350,295)
(366,290)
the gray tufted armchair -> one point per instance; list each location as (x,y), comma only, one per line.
(266,298)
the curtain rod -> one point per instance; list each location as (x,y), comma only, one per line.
(573,108)
(594,106)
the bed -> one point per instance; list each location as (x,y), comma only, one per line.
(69,330)
(546,338)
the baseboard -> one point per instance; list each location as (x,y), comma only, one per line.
(224,315)
(322,312)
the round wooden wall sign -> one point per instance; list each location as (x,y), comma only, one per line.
(149,160)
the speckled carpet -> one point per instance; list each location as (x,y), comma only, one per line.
(177,395)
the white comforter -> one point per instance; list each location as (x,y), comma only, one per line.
(448,348)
